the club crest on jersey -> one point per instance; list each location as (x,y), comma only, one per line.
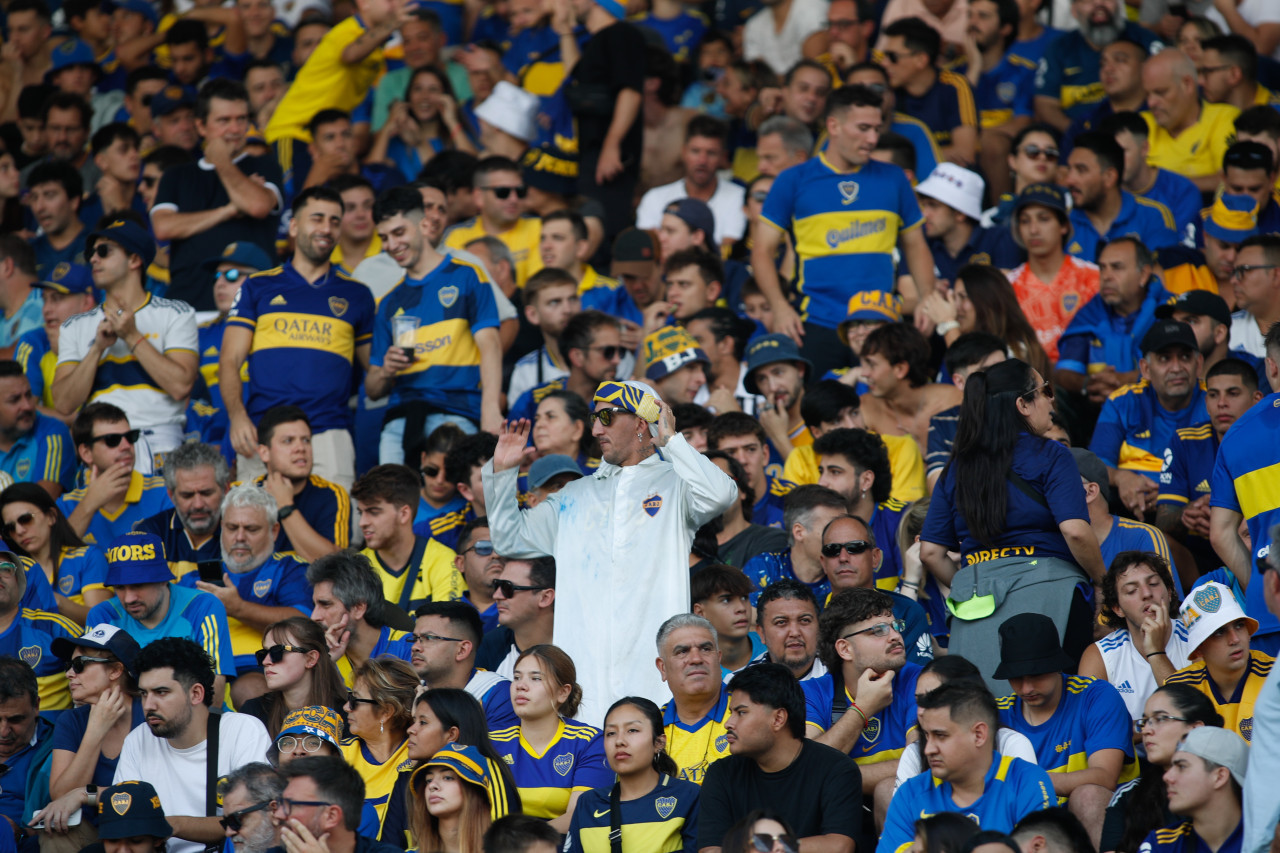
(848,192)
(665,806)
(1246,729)
(30,655)
(22,469)
(338,305)
(652,504)
(1208,599)
(1070,301)
(722,743)
(1006,92)
(66,584)
(260,588)
(448,296)
(120,802)
(872,731)
(563,763)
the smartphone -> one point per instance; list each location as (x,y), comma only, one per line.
(72,820)
(210,571)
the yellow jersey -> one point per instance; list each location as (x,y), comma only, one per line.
(522,239)
(434,576)
(379,778)
(1198,150)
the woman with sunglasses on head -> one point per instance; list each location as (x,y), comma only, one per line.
(562,426)
(295,663)
(1033,159)
(456,807)
(35,527)
(1010,502)
(379,711)
(87,739)
(418,128)
(553,757)
(761,831)
(652,808)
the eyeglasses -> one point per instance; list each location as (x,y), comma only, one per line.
(235,820)
(1156,720)
(508,589)
(80,662)
(431,638)
(232,276)
(878,88)
(759,195)
(1035,152)
(482,547)
(23,520)
(880,629)
(763,842)
(1240,270)
(895,57)
(289,744)
(606,416)
(610,352)
(430,471)
(286,806)
(277,652)
(113,439)
(8,569)
(354,700)
(504,193)
(1046,389)
(102,250)
(857,546)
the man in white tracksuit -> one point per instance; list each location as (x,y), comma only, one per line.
(621,538)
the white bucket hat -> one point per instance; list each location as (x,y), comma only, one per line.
(511,110)
(956,187)
(1209,607)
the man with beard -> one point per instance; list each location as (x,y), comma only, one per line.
(499,194)
(693,721)
(327,323)
(247,795)
(25,737)
(323,799)
(349,605)
(196,477)
(177,686)
(787,616)
(446,638)
(31,634)
(592,345)
(1067,80)
(704,148)
(33,447)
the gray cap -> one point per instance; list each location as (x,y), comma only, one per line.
(1092,469)
(547,467)
(1221,746)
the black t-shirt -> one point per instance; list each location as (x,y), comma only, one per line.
(756,539)
(193,187)
(819,794)
(614,59)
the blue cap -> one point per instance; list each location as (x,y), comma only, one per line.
(137,558)
(127,234)
(770,349)
(1045,195)
(130,810)
(139,7)
(242,253)
(1232,218)
(171,98)
(697,215)
(546,467)
(72,52)
(68,278)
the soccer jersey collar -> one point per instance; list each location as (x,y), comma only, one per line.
(132,496)
(715,715)
(822,155)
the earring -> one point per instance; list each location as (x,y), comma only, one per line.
(381,728)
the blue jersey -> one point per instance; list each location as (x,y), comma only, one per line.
(1097,337)
(609,296)
(681,34)
(1148,220)
(665,820)
(994,246)
(494,693)
(885,735)
(398,644)
(844,226)
(1006,92)
(1183,199)
(446,528)
(38,360)
(47,257)
(1012,789)
(942,437)
(29,638)
(1182,838)
(325,506)
(1068,70)
(452,303)
(181,554)
(573,761)
(1244,481)
(884,522)
(947,105)
(1188,466)
(305,338)
(46,453)
(145,497)
(1134,431)
(928,155)
(80,570)
(194,615)
(764,569)
(1129,535)
(768,509)
(427,513)
(1033,49)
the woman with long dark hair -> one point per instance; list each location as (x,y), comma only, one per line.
(299,674)
(425,123)
(1010,501)
(946,832)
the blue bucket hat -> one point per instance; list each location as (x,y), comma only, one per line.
(137,558)
(127,234)
(68,278)
(129,810)
(770,349)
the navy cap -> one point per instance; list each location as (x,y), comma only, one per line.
(1200,303)
(130,810)
(137,558)
(72,52)
(127,234)
(696,215)
(769,349)
(171,98)
(1168,333)
(107,638)
(1045,195)
(546,467)
(634,252)
(242,253)
(138,7)
(68,278)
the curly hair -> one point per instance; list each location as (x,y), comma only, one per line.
(863,449)
(847,608)
(1123,562)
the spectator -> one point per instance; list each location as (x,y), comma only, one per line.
(28,737)
(524,621)
(1205,780)
(806,512)
(777,370)
(1257,287)
(942,99)
(479,566)
(53,193)
(742,437)
(1260,820)
(135,818)
(968,354)
(764,824)
(738,540)
(294,659)
(441,663)
(66,292)
(438,495)
(947,832)
(323,795)
(705,146)
(694,720)
(423,123)
(177,685)
(462,467)
(562,427)
(1033,159)
(499,193)
(33,446)
(781,142)
(196,478)
(787,614)
(951,202)
(173,119)
(359,623)
(115,153)
(382,691)
(22,296)
(776,34)
(456,784)
(694,282)
(900,397)
(1177,117)
(519,833)
(722,595)
(674,364)
(247,795)
(723,334)
(1144,180)
(550,301)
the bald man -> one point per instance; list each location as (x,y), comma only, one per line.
(1188,135)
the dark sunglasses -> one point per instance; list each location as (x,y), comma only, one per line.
(606,416)
(232,276)
(504,193)
(431,471)
(235,820)
(149,180)
(1046,389)
(857,546)
(509,589)
(763,842)
(482,547)
(102,250)
(759,195)
(113,439)
(895,57)
(277,653)
(1035,152)
(610,351)
(354,700)
(24,520)
(79,663)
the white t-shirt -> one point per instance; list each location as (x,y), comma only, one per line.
(1255,13)
(726,207)
(781,50)
(1008,742)
(179,774)
(169,326)
(1246,335)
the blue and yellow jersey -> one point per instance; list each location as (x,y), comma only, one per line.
(768,509)
(431,568)
(764,569)
(1097,337)
(681,34)
(665,820)
(884,521)
(526,405)
(447,527)
(522,239)
(1005,92)
(210,336)
(1182,838)
(305,338)
(398,644)
(533,58)
(1181,196)
(608,295)
(844,226)
(1129,535)
(29,638)
(326,507)
(1198,150)
(38,360)
(80,570)
(1090,717)
(279,582)
(1068,70)
(1134,431)
(1236,709)
(1012,789)
(426,512)
(197,616)
(1148,220)
(452,303)
(325,81)
(1189,465)
(1244,481)
(145,497)
(946,106)
(928,155)
(379,777)
(885,735)
(573,761)
(696,746)
(46,453)
(183,556)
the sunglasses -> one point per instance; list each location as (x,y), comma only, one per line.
(23,520)
(857,546)
(102,250)
(606,416)
(354,700)
(504,193)
(482,547)
(149,180)
(1035,152)
(235,820)
(113,439)
(895,57)
(759,195)
(232,276)
(288,744)
(1046,389)
(430,471)
(509,589)
(610,352)
(763,842)
(277,652)
(79,663)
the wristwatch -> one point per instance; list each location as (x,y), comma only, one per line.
(91,795)
(943,328)
(284,512)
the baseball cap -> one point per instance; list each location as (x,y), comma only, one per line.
(1093,470)
(873,306)
(696,215)
(1029,645)
(634,253)
(68,278)
(770,349)
(1207,608)
(668,350)
(546,467)
(324,723)
(956,187)
(71,52)
(1233,218)
(171,98)
(137,557)
(138,7)
(1045,195)
(1200,303)
(1168,333)
(1221,746)
(129,810)
(241,253)
(512,110)
(107,638)
(127,234)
